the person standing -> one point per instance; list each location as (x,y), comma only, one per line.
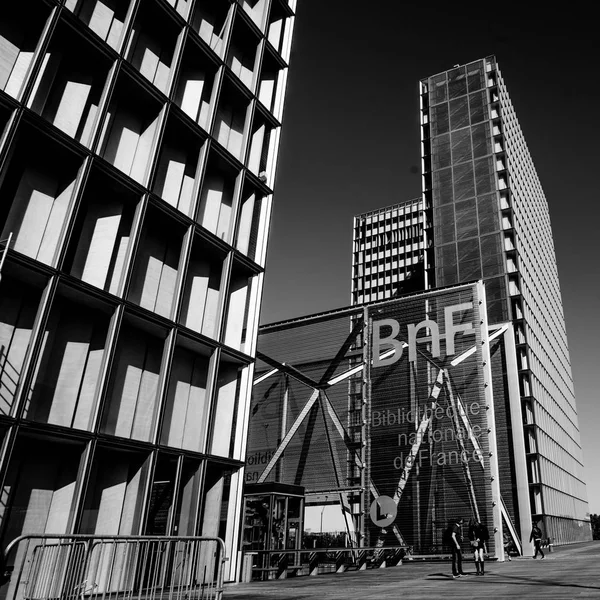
(478,537)
(508,546)
(536,537)
(455,542)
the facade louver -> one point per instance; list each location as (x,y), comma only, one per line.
(138,146)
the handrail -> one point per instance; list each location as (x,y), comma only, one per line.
(85,536)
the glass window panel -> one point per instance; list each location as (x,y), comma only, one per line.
(464,208)
(21,26)
(70,84)
(102,233)
(464,184)
(442,187)
(444,224)
(129,132)
(256,522)
(226,402)
(475,77)
(113,505)
(466,219)
(202,292)
(68,372)
(189,491)
(175,177)
(439,119)
(484,175)
(217,196)
(294,523)
(153,43)
(155,273)
(185,417)
(497,311)
(215,502)
(487,210)
(447,255)
(495,289)
(40,486)
(132,397)
(469,270)
(105,17)
(161,496)
(477,107)
(492,265)
(438,91)
(239,294)
(481,140)
(211,20)
(37,192)
(440,151)
(278,28)
(468,250)
(490,246)
(457,82)
(446,275)
(251,216)
(241,55)
(230,123)
(459,113)
(461,146)
(18,309)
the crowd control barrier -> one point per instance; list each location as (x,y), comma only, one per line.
(77,567)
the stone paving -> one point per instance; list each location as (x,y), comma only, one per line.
(570,572)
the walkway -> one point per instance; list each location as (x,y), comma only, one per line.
(570,572)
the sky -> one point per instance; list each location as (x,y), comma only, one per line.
(350,144)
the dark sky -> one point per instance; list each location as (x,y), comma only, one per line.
(350,144)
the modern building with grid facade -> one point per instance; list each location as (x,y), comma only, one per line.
(138,145)
(490,221)
(389,255)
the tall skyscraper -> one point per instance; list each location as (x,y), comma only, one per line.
(484,215)
(490,221)
(138,145)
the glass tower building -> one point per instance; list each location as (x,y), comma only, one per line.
(138,145)
(489,220)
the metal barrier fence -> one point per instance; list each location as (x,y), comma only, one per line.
(74,567)
(279,564)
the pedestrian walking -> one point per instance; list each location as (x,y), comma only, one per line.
(478,537)
(536,538)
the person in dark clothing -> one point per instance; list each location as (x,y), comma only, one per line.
(456,540)
(478,536)
(508,546)
(536,538)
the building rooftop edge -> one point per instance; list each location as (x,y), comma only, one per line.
(357,307)
(491,57)
(378,211)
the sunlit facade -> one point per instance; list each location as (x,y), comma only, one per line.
(390,255)
(138,147)
(391,402)
(490,221)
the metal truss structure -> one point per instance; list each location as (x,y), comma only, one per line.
(336,431)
